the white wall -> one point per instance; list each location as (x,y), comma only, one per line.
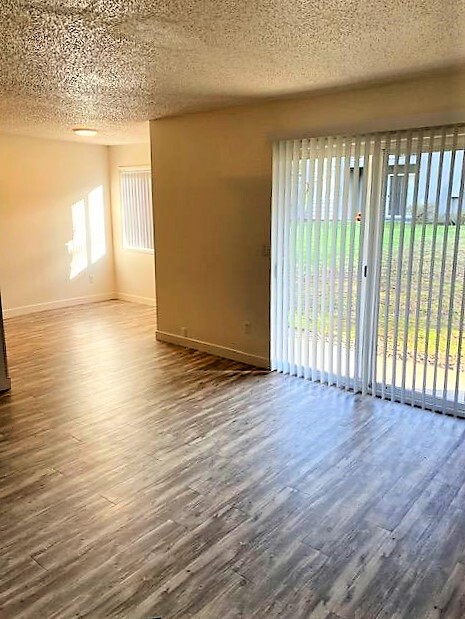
(135,272)
(212,173)
(40,180)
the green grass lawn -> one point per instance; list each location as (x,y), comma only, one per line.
(339,236)
(335,246)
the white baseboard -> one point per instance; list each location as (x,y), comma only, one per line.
(214,349)
(134,298)
(42,307)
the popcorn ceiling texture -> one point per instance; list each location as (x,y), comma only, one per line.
(112,64)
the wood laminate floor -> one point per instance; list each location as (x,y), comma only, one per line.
(138,479)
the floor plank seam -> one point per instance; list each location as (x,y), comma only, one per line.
(39,563)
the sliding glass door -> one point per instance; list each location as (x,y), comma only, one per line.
(368,257)
(419,332)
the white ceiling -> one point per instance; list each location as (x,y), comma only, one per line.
(114,64)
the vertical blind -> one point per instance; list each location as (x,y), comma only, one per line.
(136,207)
(368,255)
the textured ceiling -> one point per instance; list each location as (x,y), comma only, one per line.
(112,64)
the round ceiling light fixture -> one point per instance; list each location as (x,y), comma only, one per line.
(84,132)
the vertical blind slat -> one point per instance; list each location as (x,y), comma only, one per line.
(316,258)
(443,264)
(400,256)
(292,254)
(378,213)
(418,305)
(281,292)
(453,286)
(275,252)
(286,249)
(310,167)
(325,257)
(360,290)
(334,238)
(371,259)
(411,251)
(342,254)
(431,270)
(460,347)
(351,222)
(302,163)
(394,181)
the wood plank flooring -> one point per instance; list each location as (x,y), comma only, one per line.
(138,479)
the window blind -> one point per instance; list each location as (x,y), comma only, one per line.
(368,256)
(136,207)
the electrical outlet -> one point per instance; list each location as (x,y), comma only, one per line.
(246,327)
(91,278)
(184,331)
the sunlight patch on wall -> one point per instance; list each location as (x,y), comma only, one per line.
(88,244)
(77,247)
(96,212)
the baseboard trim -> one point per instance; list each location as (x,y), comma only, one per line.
(213,349)
(62,303)
(134,298)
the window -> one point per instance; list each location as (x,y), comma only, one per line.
(136,209)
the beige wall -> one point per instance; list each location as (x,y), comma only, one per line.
(40,180)
(212,173)
(135,277)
